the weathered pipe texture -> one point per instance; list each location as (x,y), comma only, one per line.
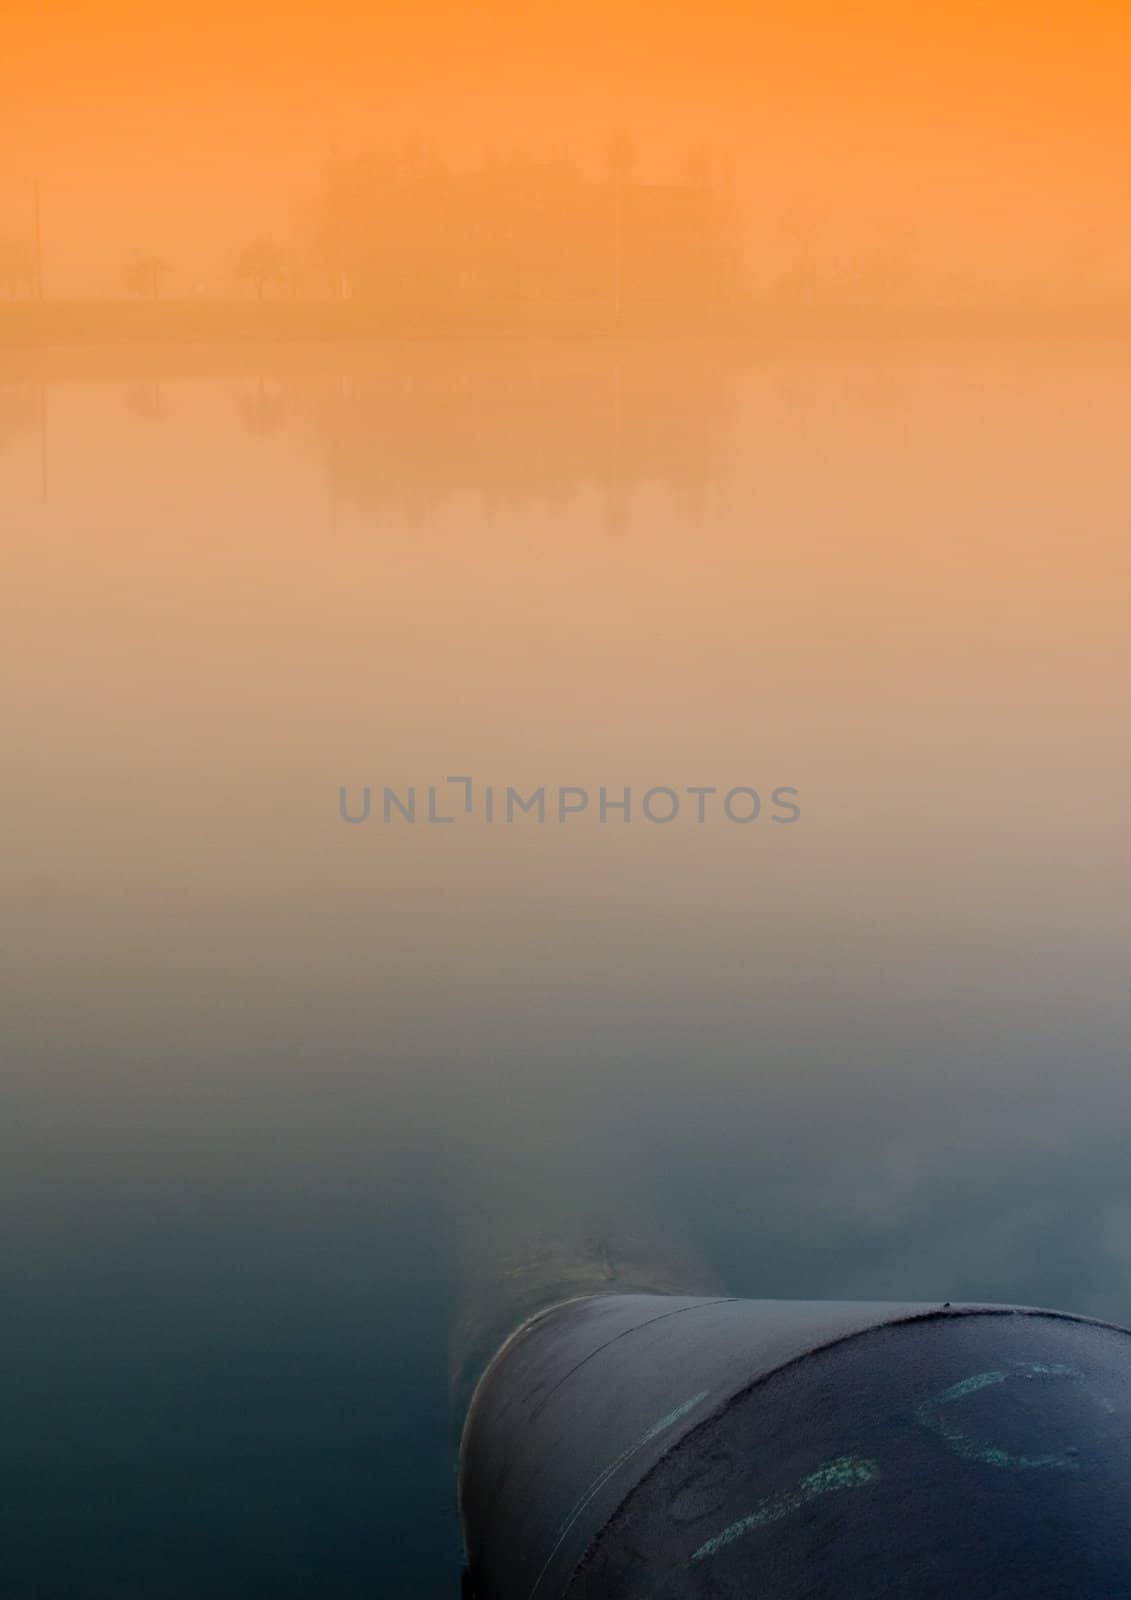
(647,1445)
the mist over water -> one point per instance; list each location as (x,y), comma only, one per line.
(263,1066)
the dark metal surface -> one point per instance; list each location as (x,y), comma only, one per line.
(636,1445)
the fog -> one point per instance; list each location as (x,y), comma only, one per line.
(267,1072)
(956,154)
(704,428)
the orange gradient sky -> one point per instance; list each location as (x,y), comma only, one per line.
(958,140)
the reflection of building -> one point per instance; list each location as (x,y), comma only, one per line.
(529,236)
(417,424)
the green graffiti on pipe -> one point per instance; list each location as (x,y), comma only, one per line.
(992,1455)
(846,1472)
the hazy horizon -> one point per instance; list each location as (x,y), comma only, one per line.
(978,151)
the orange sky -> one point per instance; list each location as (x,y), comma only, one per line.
(962,137)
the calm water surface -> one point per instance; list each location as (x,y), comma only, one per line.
(262,1067)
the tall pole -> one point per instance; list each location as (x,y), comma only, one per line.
(38,245)
(620,168)
(619,289)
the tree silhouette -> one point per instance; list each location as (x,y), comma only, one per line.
(261,263)
(620,153)
(522,238)
(142,275)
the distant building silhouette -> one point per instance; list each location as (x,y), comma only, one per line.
(529,238)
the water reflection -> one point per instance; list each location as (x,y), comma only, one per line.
(147,401)
(19,409)
(515,427)
(260,1063)
(403,430)
(262,406)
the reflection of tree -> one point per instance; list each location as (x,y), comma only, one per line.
(17,266)
(142,275)
(408,430)
(146,400)
(261,264)
(18,410)
(262,408)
